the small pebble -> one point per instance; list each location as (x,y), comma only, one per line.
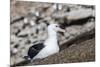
(15,50)
(25,20)
(32,22)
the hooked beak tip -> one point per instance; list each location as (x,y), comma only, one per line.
(61,30)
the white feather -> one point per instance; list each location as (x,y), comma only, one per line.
(51,45)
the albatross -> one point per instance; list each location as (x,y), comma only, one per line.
(48,47)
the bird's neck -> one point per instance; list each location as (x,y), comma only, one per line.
(52,38)
(52,34)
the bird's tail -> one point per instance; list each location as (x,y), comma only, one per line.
(27,58)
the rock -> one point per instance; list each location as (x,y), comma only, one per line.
(81,13)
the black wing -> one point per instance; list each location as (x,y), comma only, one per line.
(35,49)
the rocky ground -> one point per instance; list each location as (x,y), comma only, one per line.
(77,52)
(80,51)
(29,21)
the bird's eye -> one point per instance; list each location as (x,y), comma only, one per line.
(56,26)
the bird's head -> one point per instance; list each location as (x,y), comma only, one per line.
(56,28)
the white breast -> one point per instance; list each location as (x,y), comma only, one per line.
(48,50)
(51,45)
